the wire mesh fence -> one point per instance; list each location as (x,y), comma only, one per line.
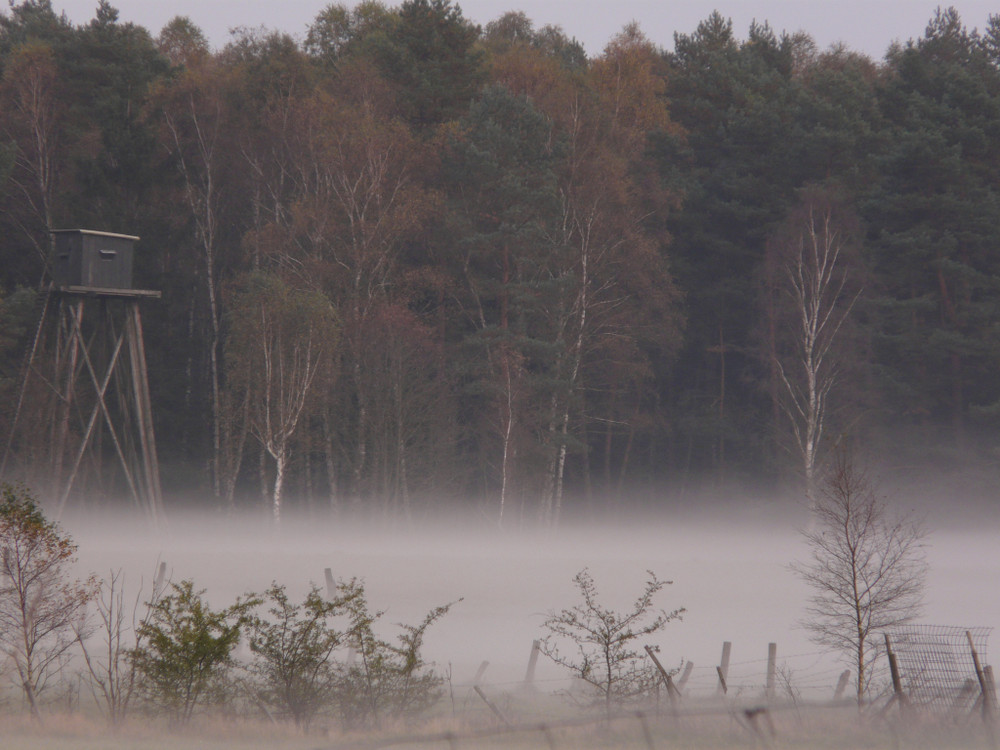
(937,665)
(778,701)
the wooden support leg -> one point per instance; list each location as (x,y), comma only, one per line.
(144,413)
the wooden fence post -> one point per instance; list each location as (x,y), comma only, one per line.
(672,692)
(991,686)
(723,668)
(897,683)
(685,675)
(480,672)
(841,685)
(987,694)
(772,669)
(331,585)
(529,675)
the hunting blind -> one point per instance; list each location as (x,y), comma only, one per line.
(85,381)
(98,260)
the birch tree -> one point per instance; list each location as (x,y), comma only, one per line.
(614,257)
(602,256)
(503,189)
(809,266)
(357,203)
(281,340)
(867,569)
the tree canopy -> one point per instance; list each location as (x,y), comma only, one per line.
(540,280)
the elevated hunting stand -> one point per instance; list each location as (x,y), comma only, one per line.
(85,375)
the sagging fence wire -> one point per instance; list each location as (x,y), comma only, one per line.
(754,710)
(743,675)
(754,719)
(724,724)
(802,673)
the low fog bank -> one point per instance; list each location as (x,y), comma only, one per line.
(728,561)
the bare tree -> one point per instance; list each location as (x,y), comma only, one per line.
(112,674)
(39,602)
(359,200)
(810,256)
(867,569)
(606,654)
(195,123)
(30,94)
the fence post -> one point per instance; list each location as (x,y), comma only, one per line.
(331,585)
(988,695)
(897,684)
(491,705)
(685,675)
(723,668)
(480,672)
(672,693)
(841,685)
(991,686)
(772,669)
(529,675)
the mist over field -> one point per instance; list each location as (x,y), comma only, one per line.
(459,311)
(727,554)
(728,562)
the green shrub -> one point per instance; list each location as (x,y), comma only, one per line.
(385,680)
(292,666)
(186,648)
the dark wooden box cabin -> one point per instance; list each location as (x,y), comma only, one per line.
(95,260)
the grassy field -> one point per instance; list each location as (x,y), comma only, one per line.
(713,727)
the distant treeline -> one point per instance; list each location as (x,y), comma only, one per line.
(408,258)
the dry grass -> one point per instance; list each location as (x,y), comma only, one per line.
(712,728)
(77,732)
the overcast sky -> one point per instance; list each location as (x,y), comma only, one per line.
(869,26)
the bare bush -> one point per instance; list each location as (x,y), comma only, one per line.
(111,673)
(606,654)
